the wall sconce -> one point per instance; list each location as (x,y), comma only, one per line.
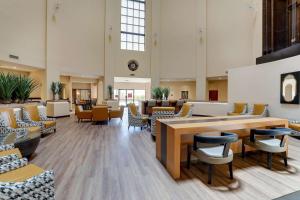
(155,39)
(56,9)
(110,34)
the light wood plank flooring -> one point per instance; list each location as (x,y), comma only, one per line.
(110,162)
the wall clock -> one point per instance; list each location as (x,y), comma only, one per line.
(133,65)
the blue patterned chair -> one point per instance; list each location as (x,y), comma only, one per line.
(20,180)
(160,113)
(135,119)
(36,116)
(12,130)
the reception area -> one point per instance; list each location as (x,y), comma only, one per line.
(149,99)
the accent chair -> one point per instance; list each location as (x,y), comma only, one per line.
(36,116)
(135,118)
(116,113)
(186,111)
(270,141)
(83,114)
(239,109)
(20,180)
(100,113)
(213,150)
(260,110)
(160,113)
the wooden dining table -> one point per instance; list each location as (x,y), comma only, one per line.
(173,135)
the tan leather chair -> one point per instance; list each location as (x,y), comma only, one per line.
(83,114)
(239,109)
(116,113)
(186,111)
(260,109)
(100,113)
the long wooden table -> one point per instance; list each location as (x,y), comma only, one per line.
(173,134)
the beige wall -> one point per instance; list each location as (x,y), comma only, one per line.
(234,34)
(39,77)
(23,31)
(177,86)
(7,71)
(221,86)
(76,37)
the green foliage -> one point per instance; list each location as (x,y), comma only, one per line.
(166,93)
(54,89)
(60,87)
(110,91)
(25,86)
(157,93)
(7,87)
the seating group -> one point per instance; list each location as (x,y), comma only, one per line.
(24,127)
(99,113)
(21,180)
(214,150)
(255,109)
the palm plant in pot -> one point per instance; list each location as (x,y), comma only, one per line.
(54,89)
(60,88)
(110,91)
(7,87)
(166,93)
(25,86)
(157,93)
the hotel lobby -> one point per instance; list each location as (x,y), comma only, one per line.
(149,99)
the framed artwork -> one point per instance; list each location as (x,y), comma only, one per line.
(184,94)
(289,88)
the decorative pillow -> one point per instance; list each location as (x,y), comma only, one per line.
(42,113)
(4,119)
(26,116)
(8,158)
(13,165)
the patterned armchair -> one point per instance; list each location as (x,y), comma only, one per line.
(20,180)
(186,111)
(12,130)
(160,113)
(38,117)
(135,119)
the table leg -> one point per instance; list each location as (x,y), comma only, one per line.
(173,153)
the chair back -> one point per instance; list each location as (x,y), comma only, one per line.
(272,133)
(100,113)
(186,110)
(122,110)
(259,109)
(78,109)
(224,139)
(33,112)
(240,108)
(165,103)
(132,109)
(7,114)
(161,113)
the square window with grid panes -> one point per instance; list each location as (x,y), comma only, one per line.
(133,25)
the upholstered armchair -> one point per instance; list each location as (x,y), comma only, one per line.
(160,113)
(38,117)
(116,113)
(215,151)
(295,126)
(186,111)
(268,140)
(260,110)
(239,109)
(100,113)
(83,114)
(13,130)
(135,119)
(20,180)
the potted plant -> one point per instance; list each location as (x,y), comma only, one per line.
(54,89)
(157,93)
(60,87)
(110,91)
(166,93)
(7,87)
(25,86)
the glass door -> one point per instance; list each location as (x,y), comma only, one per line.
(122,97)
(130,96)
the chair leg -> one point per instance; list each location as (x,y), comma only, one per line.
(230,170)
(284,156)
(210,171)
(243,150)
(270,160)
(128,127)
(188,156)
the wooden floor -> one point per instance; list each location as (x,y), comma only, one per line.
(110,162)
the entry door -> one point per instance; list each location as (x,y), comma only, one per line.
(213,95)
(126,97)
